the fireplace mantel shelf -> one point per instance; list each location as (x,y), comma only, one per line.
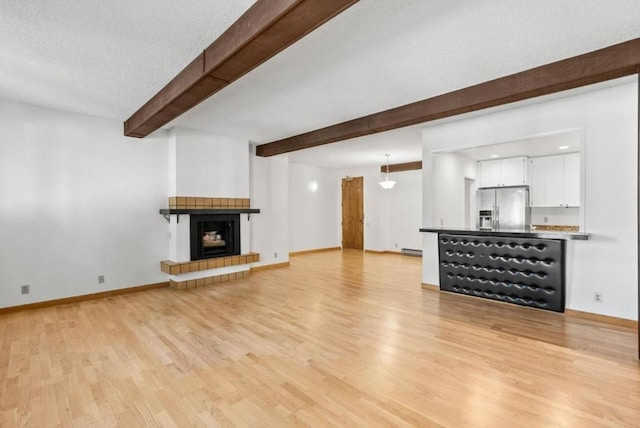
(167,212)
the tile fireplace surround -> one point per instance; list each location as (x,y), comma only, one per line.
(196,273)
(194,202)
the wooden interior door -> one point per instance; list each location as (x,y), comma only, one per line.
(352,213)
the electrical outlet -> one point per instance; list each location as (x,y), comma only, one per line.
(546,219)
(396,245)
(597,297)
(275,255)
(100,279)
(24,289)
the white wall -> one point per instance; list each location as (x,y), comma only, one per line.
(208,165)
(607,262)
(312,213)
(77,200)
(313,218)
(449,173)
(270,193)
(403,211)
(555,216)
(390,216)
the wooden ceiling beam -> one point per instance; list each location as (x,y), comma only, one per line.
(604,64)
(399,167)
(267,28)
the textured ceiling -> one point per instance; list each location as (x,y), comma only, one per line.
(108,58)
(103,58)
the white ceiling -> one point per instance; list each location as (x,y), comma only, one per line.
(103,58)
(403,145)
(552,144)
(108,58)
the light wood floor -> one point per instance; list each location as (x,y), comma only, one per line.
(342,340)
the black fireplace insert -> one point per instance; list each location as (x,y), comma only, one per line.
(214,235)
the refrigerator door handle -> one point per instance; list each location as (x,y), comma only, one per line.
(496,223)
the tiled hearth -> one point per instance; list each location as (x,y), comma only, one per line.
(194,273)
(174,268)
(209,280)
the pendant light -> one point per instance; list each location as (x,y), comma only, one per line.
(387,184)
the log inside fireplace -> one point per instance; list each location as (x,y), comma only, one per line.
(214,235)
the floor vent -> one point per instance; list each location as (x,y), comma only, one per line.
(412,252)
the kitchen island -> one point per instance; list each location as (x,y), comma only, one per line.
(514,233)
(524,267)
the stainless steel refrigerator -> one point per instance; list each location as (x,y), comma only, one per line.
(503,208)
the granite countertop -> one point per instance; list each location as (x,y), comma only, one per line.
(516,233)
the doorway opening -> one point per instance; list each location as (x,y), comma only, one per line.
(468,203)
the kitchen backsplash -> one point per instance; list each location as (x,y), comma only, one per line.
(556,228)
(555,216)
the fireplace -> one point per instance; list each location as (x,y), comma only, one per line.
(214,235)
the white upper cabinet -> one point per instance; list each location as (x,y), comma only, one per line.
(547,175)
(489,173)
(503,172)
(555,181)
(572,179)
(514,171)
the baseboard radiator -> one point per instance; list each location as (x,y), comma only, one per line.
(411,252)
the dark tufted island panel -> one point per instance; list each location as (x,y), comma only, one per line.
(524,271)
